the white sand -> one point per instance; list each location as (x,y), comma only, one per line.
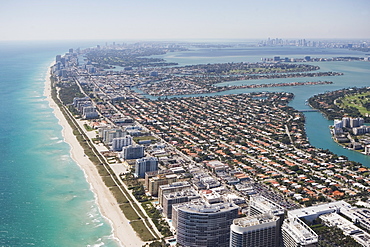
(106,202)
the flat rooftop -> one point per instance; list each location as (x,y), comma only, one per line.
(265,205)
(319,209)
(255,220)
(299,231)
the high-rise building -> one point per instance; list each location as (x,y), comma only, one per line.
(338,123)
(354,122)
(255,231)
(58,58)
(361,121)
(172,187)
(361,130)
(77,101)
(367,149)
(298,234)
(119,142)
(261,205)
(146,164)
(89,112)
(149,175)
(201,224)
(109,134)
(174,198)
(132,152)
(346,122)
(160,179)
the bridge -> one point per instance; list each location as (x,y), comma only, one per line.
(309,110)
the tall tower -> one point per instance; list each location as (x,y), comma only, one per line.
(255,231)
(298,234)
(204,225)
(58,58)
(261,205)
(147,164)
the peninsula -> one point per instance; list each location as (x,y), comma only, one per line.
(350,110)
(174,162)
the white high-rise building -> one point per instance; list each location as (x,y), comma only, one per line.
(172,187)
(89,112)
(346,122)
(255,231)
(367,149)
(120,142)
(338,124)
(354,122)
(261,205)
(132,152)
(297,234)
(109,134)
(144,165)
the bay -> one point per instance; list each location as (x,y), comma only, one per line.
(356,74)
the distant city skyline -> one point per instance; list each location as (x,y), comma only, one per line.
(170,20)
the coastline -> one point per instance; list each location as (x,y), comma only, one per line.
(122,231)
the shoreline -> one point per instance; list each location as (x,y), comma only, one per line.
(122,232)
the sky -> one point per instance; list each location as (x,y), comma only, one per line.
(187,19)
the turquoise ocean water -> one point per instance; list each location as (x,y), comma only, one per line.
(44,197)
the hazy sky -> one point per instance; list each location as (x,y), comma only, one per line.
(187,19)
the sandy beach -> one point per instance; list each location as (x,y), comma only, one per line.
(106,202)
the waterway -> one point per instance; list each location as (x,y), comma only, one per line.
(356,74)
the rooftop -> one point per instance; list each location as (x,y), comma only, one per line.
(319,209)
(265,205)
(202,207)
(255,220)
(299,231)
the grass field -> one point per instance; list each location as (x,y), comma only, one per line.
(357,101)
(140,228)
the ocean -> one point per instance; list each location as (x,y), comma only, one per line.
(45,199)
